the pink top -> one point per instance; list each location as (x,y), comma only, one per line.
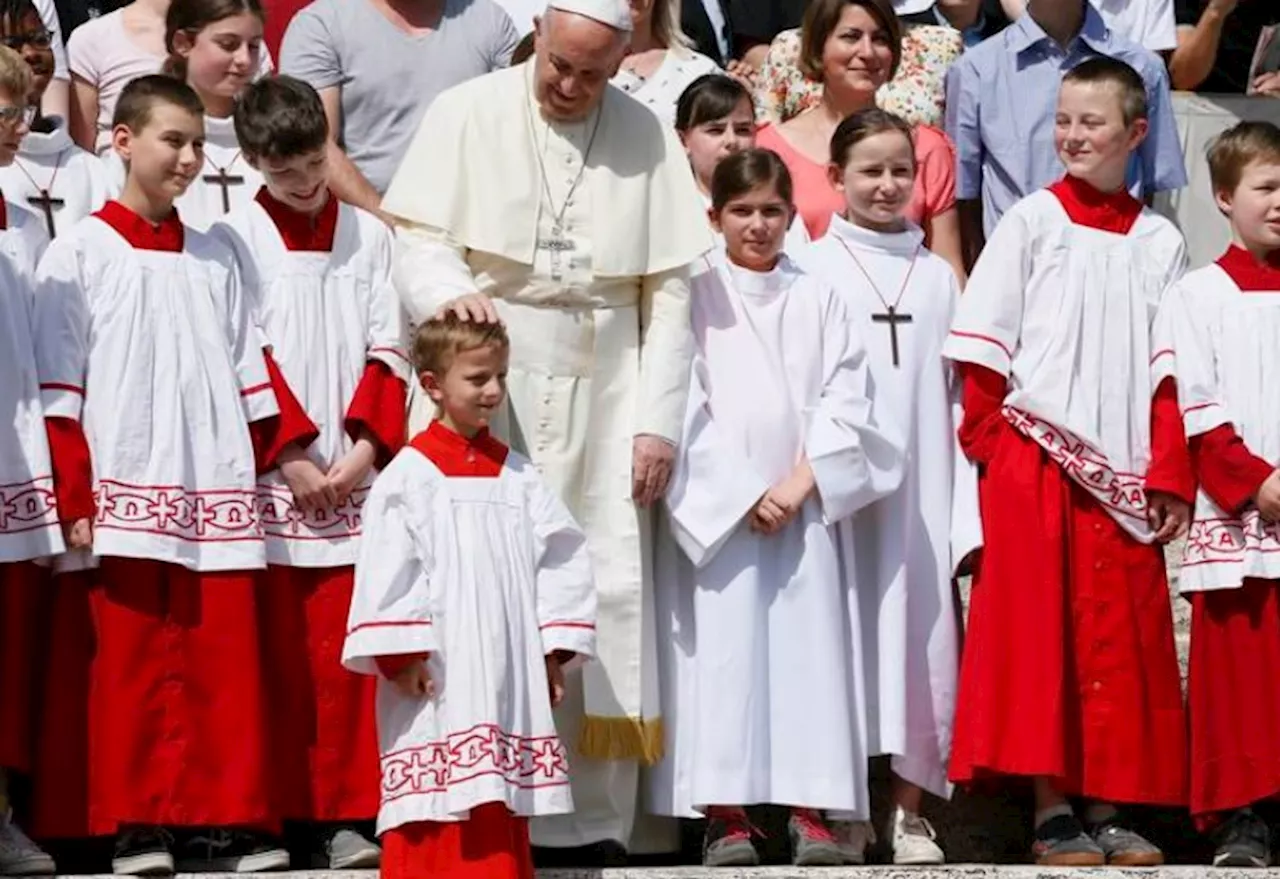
(816,200)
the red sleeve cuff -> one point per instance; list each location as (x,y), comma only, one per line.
(291,426)
(72,469)
(390,666)
(1229,473)
(378,407)
(1171,471)
(983,392)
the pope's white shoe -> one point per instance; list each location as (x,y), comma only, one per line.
(913,840)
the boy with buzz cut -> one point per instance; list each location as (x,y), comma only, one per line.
(317,277)
(163,406)
(28,508)
(1222,323)
(51,176)
(1069,673)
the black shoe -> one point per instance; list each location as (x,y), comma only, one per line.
(1244,840)
(143,851)
(231,851)
(608,853)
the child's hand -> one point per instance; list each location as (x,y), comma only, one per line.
(351,469)
(789,496)
(414,681)
(78,534)
(1268,497)
(767,516)
(308,483)
(1167,515)
(555,679)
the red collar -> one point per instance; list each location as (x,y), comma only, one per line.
(298,230)
(141,233)
(1088,206)
(1250,275)
(455,455)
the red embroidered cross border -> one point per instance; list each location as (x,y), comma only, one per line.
(28,506)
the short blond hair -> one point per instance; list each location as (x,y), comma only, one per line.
(1238,147)
(15,75)
(438,341)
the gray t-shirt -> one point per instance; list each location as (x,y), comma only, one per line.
(389,77)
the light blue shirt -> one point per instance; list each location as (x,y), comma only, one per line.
(1003,124)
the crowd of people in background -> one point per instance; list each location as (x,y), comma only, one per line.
(447,427)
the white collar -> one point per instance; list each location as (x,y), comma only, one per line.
(220,132)
(905,242)
(38,144)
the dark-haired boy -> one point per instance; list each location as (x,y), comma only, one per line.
(162,407)
(1069,674)
(51,176)
(316,272)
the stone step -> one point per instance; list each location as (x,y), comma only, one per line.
(952,871)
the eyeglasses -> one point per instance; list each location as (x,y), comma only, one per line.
(37,39)
(12,116)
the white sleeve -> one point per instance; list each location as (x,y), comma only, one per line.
(855,459)
(429,269)
(247,345)
(62,322)
(391,605)
(387,340)
(49,18)
(566,589)
(1185,348)
(666,350)
(1160,30)
(966,512)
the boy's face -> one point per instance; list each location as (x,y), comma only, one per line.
(300,182)
(1254,206)
(13,125)
(166,153)
(472,388)
(28,37)
(1090,133)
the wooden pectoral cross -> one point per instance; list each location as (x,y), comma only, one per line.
(225,181)
(892,318)
(556,245)
(47,203)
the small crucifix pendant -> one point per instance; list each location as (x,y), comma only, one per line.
(224,180)
(892,318)
(47,203)
(556,245)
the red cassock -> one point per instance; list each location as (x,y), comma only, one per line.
(1069,669)
(155,711)
(24,591)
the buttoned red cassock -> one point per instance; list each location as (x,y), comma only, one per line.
(1069,667)
(155,710)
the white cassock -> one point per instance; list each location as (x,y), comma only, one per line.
(488,575)
(907,546)
(29,527)
(581,233)
(1220,342)
(760,696)
(326,314)
(226,183)
(51,168)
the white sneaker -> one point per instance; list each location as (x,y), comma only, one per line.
(19,856)
(914,840)
(853,838)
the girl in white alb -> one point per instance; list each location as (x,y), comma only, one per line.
(55,179)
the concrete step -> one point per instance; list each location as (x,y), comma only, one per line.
(954,871)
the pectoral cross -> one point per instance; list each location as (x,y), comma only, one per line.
(892,318)
(47,203)
(224,180)
(556,245)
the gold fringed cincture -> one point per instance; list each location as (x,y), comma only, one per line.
(622,738)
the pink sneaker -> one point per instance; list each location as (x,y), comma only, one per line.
(812,842)
(728,839)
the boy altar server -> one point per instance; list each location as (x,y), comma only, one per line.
(317,274)
(152,369)
(51,176)
(1223,324)
(473,591)
(1069,673)
(28,507)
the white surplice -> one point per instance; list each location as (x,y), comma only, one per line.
(1221,343)
(761,699)
(155,353)
(488,575)
(50,163)
(325,315)
(1083,393)
(29,526)
(907,545)
(202,204)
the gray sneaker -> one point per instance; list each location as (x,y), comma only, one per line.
(231,851)
(812,842)
(1124,847)
(348,850)
(727,842)
(19,856)
(1062,842)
